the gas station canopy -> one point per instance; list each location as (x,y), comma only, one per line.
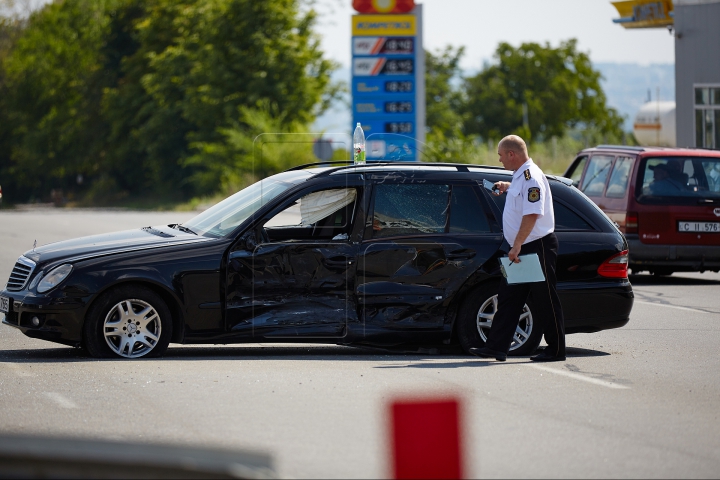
(644,13)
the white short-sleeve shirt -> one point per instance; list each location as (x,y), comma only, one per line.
(529,193)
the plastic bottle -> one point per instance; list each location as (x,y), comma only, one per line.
(359,146)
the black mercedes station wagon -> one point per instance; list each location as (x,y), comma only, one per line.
(383,255)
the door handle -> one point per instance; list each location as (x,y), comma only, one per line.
(465,254)
(338,261)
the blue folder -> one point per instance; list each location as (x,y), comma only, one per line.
(527,271)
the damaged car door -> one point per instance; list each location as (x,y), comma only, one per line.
(422,242)
(292,276)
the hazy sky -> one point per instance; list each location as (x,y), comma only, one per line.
(480,25)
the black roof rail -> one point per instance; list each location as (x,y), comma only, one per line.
(318,164)
(622,147)
(461,167)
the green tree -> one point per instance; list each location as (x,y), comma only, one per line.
(197,63)
(122,91)
(537,92)
(10,29)
(263,141)
(446,141)
(442,98)
(52,86)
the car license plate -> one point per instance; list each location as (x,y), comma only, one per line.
(4,304)
(705,227)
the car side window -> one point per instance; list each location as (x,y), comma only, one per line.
(711,167)
(410,209)
(577,170)
(466,212)
(596,175)
(617,187)
(321,215)
(668,177)
(567,220)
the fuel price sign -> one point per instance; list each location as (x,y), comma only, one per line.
(388,83)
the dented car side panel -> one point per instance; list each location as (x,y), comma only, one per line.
(291,290)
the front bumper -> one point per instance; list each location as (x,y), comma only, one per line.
(59,322)
(685,258)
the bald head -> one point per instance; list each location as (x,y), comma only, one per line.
(513,152)
(514,144)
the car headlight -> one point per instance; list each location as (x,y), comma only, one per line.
(53,279)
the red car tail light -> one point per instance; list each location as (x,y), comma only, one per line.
(631,222)
(615,266)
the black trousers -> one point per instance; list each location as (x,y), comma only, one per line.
(547,311)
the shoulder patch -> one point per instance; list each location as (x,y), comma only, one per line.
(533,194)
(527,174)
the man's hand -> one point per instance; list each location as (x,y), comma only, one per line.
(500,188)
(514,254)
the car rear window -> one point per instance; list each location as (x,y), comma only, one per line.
(679,180)
(567,220)
(567,217)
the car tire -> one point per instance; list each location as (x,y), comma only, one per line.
(475,318)
(128,322)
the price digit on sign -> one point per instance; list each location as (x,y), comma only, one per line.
(399,87)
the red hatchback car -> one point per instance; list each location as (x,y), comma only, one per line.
(665,200)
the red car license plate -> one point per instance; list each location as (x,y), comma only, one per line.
(703,227)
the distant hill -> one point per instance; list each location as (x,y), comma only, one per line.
(625,84)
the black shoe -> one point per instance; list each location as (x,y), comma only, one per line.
(546,356)
(488,353)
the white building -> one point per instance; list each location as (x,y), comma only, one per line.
(696,26)
(697,73)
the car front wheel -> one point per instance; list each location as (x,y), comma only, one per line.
(476,317)
(128,322)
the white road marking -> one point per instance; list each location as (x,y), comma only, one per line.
(671,306)
(577,376)
(61,400)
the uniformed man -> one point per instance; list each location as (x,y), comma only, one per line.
(528,227)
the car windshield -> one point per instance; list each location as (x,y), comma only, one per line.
(679,179)
(221,219)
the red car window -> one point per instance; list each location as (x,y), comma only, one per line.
(577,170)
(596,175)
(681,177)
(619,178)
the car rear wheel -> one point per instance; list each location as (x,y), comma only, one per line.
(128,322)
(476,317)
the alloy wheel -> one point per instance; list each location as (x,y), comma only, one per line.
(487,312)
(132,328)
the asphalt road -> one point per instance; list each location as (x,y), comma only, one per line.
(640,401)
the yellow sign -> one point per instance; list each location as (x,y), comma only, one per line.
(383,25)
(644,13)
